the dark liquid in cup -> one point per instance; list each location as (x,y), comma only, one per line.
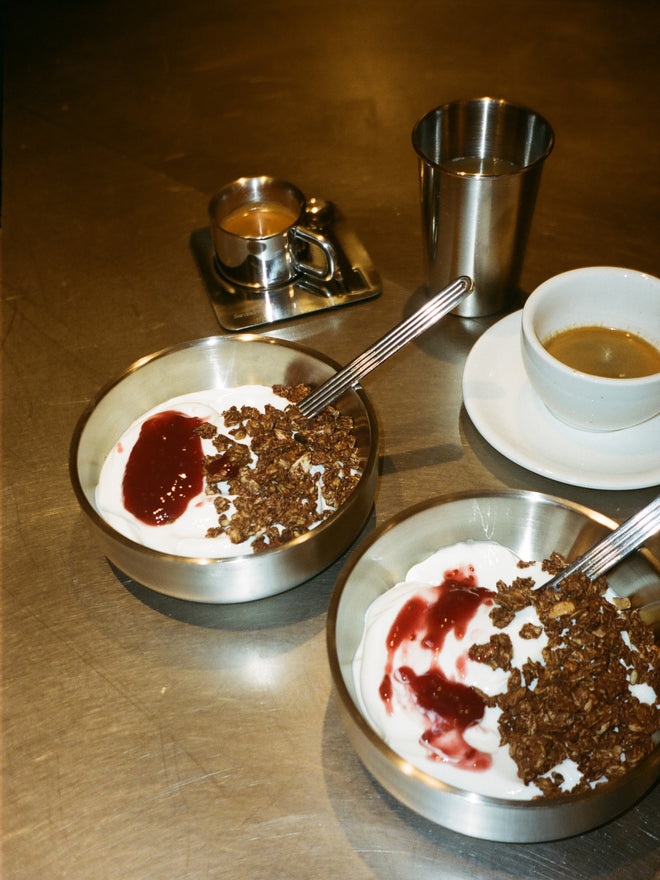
(486,165)
(603,351)
(259,219)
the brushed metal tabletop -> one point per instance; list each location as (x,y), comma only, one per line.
(144,737)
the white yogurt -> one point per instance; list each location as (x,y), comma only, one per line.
(403,726)
(186,535)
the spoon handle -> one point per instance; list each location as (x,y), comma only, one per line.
(403,333)
(617,545)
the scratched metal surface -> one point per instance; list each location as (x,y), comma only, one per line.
(147,738)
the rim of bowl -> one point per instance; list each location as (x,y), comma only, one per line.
(542,352)
(393,757)
(90,510)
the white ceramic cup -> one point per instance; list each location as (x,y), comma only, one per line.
(603,296)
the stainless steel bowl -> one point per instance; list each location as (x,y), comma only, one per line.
(533,526)
(217,362)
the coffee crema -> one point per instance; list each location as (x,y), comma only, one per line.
(259,219)
(604,351)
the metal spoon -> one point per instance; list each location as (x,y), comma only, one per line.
(615,547)
(399,336)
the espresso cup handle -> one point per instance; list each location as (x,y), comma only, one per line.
(329,270)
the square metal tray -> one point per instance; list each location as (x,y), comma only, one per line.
(240,308)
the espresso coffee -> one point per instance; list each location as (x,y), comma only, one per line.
(603,351)
(259,219)
(260,237)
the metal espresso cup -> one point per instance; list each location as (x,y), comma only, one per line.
(259,237)
(480,164)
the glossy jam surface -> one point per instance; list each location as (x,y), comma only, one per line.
(164,471)
(604,351)
(449,706)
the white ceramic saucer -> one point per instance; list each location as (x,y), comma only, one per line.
(508,414)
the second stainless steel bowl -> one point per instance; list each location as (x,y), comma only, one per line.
(533,526)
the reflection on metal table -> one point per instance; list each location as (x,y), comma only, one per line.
(149,737)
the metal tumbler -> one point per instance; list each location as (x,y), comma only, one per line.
(480,164)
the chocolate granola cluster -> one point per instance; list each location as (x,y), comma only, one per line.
(282,473)
(577,703)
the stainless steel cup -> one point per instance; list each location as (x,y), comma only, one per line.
(480,165)
(259,254)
